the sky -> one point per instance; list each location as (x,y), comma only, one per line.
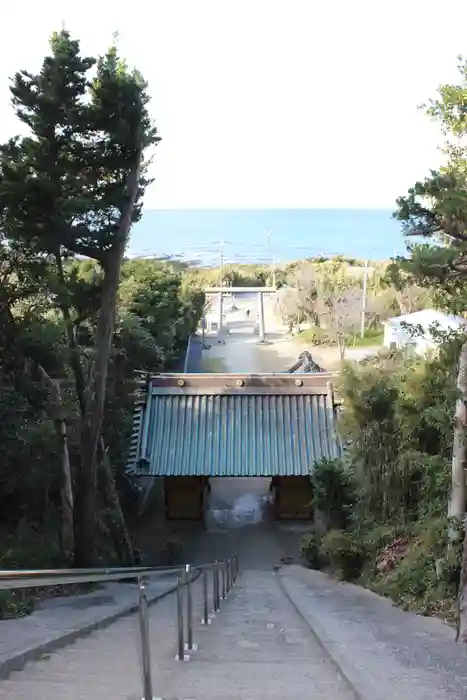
(267,103)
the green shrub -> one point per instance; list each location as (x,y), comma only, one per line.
(310,549)
(29,549)
(333,493)
(15,604)
(424,576)
(26,549)
(345,553)
(376,538)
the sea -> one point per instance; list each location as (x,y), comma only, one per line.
(200,236)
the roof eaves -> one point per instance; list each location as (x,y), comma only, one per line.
(258,384)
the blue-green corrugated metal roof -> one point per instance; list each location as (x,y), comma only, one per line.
(233,435)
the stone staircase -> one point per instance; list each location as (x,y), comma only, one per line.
(256,647)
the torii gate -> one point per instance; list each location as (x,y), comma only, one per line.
(260,291)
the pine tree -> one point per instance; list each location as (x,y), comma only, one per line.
(73,186)
(436,209)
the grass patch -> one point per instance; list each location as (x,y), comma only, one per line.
(314,336)
(320,336)
(372,337)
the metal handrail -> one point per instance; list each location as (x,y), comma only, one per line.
(31,578)
(12,579)
(224,574)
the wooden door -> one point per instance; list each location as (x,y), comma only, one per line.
(184,498)
(293,498)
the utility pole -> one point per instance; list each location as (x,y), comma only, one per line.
(222,263)
(272,258)
(365,285)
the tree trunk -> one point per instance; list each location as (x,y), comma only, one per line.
(121,536)
(91,426)
(66,486)
(122,540)
(458,489)
(8,335)
(92,422)
(462,595)
(75,356)
(66,495)
(340,340)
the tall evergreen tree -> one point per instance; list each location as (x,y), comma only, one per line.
(436,209)
(73,186)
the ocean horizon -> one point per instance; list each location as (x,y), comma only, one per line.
(258,235)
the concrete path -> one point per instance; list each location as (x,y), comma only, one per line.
(256,648)
(385,651)
(280,636)
(241,352)
(260,546)
(58,621)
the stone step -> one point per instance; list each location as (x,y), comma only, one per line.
(256,647)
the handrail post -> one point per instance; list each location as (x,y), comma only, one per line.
(221,582)
(145,640)
(205,598)
(227,576)
(229,563)
(224,587)
(189,608)
(214,589)
(218,587)
(235,567)
(180,626)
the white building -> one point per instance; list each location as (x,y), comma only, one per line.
(397,332)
